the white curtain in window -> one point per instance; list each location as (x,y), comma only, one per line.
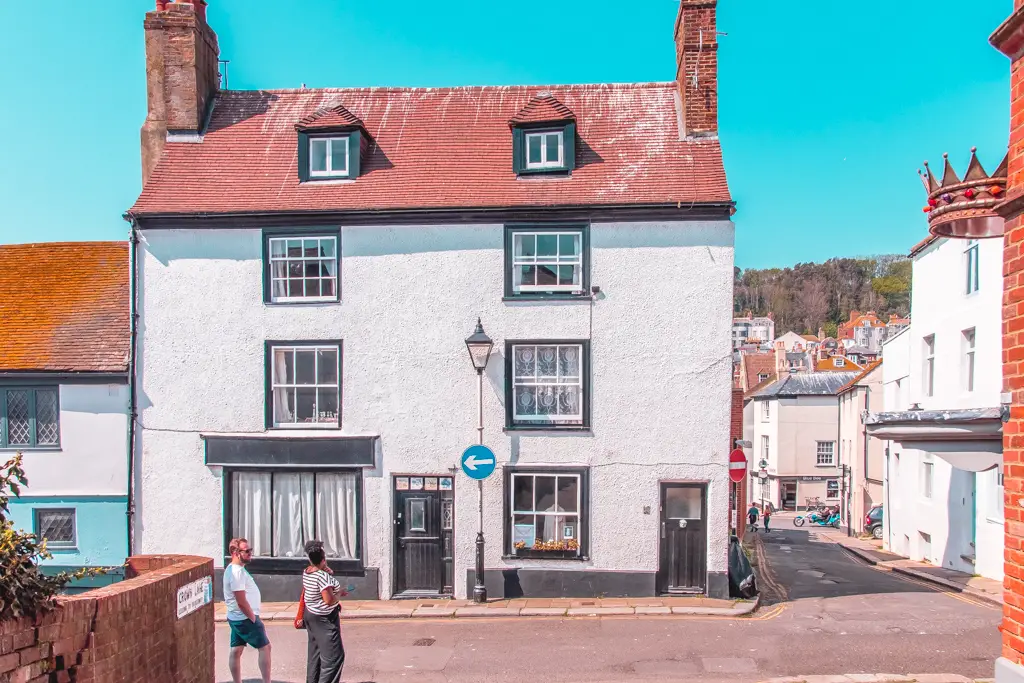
(250,496)
(293,513)
(336,514)
(282,413)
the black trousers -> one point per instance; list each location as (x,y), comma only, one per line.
(325,655)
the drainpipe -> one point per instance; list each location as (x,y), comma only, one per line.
(133,242)
(864,435)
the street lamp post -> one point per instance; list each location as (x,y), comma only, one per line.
(479,345)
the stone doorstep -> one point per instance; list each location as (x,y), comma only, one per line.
(555,607)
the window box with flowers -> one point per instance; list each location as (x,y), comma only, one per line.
(546,513)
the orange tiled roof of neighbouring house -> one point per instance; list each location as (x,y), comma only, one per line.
(64,307)
(436,148)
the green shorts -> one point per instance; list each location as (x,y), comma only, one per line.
(249,633)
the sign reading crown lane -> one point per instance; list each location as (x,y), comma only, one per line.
(478,462)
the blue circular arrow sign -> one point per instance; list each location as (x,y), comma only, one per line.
(478,462)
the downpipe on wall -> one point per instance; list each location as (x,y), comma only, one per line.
(133,243)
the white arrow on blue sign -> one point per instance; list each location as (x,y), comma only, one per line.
(478,462)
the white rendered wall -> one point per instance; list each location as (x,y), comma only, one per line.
(410,296)
(93,455)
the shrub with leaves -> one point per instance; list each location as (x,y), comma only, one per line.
(25,590)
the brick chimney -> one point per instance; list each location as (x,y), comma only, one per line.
(696,36)
(181,74)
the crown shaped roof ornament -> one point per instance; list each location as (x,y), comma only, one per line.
(964,208)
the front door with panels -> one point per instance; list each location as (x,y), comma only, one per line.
(424,514)
(683,545)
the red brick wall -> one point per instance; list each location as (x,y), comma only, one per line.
(1013,351)
(122,633)
(697,53)
(736,432)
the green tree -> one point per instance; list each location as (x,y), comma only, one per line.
(25,589)
(830,329)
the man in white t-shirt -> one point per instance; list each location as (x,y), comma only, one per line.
(242,599)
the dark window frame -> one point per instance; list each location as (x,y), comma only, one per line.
(510,231)
(568,130)
(327,231)
(355,137)
(57,545)
(294,565)
(33,444)
(268,369)
(584,513)
(587,385)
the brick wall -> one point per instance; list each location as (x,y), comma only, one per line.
(697,54)
(1009,39)
(739,490)
(122,633)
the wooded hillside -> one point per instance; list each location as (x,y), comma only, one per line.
(812,295)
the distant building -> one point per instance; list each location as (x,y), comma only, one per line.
(862,355)
(862,329)
(837,363)
(751,329)
(863,457)
(756,368)
(791,341)
(795,426)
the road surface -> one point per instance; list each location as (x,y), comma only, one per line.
(826,613)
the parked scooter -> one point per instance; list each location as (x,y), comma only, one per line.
(827,518)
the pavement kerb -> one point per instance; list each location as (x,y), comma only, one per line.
(743,608)
(878,678)
(923,576)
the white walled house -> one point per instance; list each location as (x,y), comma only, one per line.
(862,457)
(64,397)
(942,413)
(795,429)
(302,366)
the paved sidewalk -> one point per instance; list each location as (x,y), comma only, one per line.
(881,678)
(525,607)
(978,587)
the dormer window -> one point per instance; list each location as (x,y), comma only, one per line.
(543,137)
(328,157)
(331,145)
(545,149)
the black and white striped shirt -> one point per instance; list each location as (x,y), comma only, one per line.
(312,584)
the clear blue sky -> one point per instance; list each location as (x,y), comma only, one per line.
(826,109)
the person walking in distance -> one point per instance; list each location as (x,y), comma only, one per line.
(321,591)
(767,516)
(242,599)
(752,515)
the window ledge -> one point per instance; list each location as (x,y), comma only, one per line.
(534,298)
(312,302)
(547,429)
(288,565)
(995,520)
(33,449)
(336,180)
(581,558)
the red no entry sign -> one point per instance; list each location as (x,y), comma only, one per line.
(737,465)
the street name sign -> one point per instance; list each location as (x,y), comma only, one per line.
(737,465)
(194,595)
(478,462)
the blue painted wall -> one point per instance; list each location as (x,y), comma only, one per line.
(101,525)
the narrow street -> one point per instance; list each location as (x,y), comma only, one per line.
(825,613)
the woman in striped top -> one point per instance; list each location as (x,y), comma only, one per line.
(321,592)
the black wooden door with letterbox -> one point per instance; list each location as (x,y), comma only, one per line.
(424,516)
(683,538)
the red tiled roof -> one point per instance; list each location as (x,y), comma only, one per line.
(336,115)
(829,365)
(64,307)
(438,148)
(544,107)
(755,364)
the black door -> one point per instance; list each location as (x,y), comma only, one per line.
(683,546)
(424,516)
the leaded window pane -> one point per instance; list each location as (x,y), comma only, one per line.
(47,431)
(18,428)
(56,527)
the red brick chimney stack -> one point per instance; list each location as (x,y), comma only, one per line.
(696,36)
(181,74)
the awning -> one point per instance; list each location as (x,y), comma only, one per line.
(969,439)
